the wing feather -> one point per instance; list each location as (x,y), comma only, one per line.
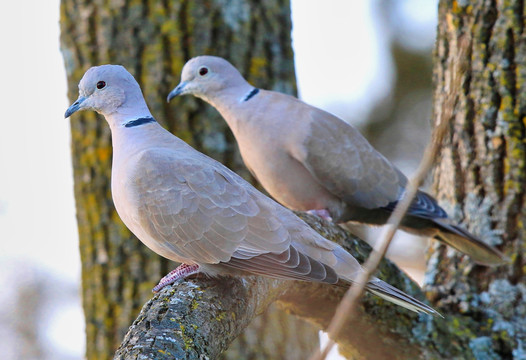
(290,264)
(352,169)
(201,212)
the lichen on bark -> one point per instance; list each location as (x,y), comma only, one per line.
(481,174)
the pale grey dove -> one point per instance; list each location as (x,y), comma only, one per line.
(310,160)
(191,209)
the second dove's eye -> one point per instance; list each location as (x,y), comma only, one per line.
(203,71)
(101,84)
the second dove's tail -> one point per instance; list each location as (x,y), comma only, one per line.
(398,297)
(465,242)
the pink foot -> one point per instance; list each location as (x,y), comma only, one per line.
(323,213)
(180,272)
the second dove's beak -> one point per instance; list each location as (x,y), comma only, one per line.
(74,107)
(179,90)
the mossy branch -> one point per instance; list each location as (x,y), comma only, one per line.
(199,318)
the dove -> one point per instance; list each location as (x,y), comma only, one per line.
(191,209)
(310,160)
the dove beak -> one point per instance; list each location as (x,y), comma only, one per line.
(179,90)
(74,107)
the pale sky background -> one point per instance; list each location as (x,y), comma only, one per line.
(339,58)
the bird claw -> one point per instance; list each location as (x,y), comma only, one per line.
(322,213)
(181,272)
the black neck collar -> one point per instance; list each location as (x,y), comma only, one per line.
(139,121)
(251,94)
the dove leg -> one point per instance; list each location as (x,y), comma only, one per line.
(181,272)
(323,213)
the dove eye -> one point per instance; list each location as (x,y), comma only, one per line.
(203,71)
(101,85)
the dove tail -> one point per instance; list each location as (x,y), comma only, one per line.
(463,241)
(398,297)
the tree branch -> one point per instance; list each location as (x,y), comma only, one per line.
(199,318)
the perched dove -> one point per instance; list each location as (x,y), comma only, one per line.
(191,209)
(310,160)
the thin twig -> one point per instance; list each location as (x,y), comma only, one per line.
(347,307)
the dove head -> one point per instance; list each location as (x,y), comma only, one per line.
(111,91)
(207,77)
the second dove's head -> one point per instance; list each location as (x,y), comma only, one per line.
(204,76)
(105,89)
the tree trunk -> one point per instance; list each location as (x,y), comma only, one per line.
(153,39)
(481,174)
(268,337)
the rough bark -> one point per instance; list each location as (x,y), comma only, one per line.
(153,39)
(481,175)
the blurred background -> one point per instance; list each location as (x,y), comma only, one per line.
(368,62)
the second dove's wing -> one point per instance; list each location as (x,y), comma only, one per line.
(344,162)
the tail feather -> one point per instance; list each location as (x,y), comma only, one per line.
(398,297)
(465,242)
